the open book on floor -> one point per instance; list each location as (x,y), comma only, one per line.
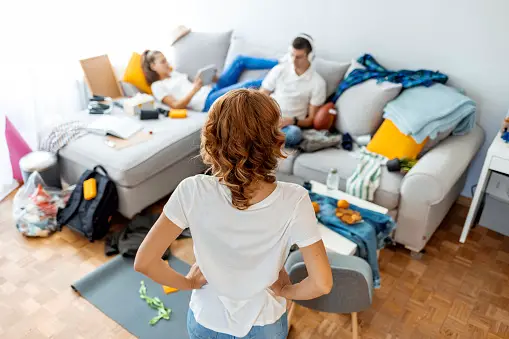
(119,127)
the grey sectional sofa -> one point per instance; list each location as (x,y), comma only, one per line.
(146,173)
(419,200)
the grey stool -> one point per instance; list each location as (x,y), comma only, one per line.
(45,163)
(351,292)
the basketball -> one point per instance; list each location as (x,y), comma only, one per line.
(324,118)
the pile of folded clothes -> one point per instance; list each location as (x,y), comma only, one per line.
(423,112)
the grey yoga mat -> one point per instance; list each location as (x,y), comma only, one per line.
(114,289)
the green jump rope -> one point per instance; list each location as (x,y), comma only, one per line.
(155,303)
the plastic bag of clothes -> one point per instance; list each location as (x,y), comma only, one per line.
(35,207)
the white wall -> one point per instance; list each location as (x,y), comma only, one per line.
(466,39)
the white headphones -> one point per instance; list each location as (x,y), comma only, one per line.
(311,55)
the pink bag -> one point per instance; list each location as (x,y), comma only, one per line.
(17,148)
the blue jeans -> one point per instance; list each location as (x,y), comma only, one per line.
(228,80)
(293,135)
(278,330)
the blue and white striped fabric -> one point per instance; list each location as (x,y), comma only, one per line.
(365,180)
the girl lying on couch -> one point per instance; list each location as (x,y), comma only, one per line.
(175,90)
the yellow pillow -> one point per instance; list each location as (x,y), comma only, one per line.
(134,74)
(390,142)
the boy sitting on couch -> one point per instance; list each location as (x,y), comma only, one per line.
(298,89)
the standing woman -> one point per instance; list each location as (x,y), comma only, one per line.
(243,223)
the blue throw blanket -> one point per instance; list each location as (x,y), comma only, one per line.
(426,111)
(370,235)
(374,70)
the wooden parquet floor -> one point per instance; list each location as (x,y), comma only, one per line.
(454,291)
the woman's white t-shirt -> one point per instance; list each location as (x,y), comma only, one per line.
(178,86)
(240,253)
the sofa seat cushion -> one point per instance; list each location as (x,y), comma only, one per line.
(316,166)
(286,165)
(172,140)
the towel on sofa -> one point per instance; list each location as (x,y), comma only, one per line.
(365,180)
(369,235)
(426,111)
(374,70)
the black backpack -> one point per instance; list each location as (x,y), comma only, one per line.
(90,218)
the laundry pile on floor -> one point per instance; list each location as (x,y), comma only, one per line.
(128,240)
(35,207)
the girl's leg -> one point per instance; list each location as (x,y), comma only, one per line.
(232,73)
(214,95)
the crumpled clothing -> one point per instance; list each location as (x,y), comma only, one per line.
(35,207)
(370,235)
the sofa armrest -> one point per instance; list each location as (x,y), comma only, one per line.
(438,170)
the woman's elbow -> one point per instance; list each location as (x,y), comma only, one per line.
(140,265)
(325,285)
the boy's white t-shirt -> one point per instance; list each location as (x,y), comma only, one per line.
(178,86)
(294,93)
(240,253)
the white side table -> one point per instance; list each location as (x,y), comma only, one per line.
(332,240)
(497,159)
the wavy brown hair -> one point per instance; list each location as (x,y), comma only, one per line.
(242,142)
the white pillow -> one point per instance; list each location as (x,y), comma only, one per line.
(332,72)
(360,108)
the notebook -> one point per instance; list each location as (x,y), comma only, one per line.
(122,128)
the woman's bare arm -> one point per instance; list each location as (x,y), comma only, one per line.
(319,280)
(182,103)
(148,258)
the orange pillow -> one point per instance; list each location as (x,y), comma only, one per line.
(134,74)
(391,143)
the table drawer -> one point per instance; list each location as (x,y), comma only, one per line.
(499,164)
(498,186)
(495,215)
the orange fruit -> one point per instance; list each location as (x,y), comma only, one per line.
(316,207)
(343,204)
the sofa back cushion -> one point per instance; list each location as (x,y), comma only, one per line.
(199,49)
(128,89)
(331,71)
(239,46)
(360,108)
